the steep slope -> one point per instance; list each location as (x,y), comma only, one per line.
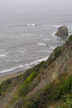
(43,86)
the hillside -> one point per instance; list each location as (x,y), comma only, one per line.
(46,85)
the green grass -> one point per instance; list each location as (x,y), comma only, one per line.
(45,96)
(25,82)
(4,86)
(70,38)
(24,88)
(56,53)
(48,95)
(7,85)
(68,42)
(31,74)
(68,102)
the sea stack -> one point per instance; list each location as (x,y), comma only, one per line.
(62,31)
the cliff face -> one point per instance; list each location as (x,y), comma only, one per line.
(43,86)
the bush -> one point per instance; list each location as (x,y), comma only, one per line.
(48,95)
(4,86)
(56,53)
(68,42)
(24,88)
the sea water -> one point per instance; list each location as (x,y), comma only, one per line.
(23,45)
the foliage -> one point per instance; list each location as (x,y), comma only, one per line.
(46,96)
(4,86)
(56,53)
(68,102)
(49,94)
(68,42)
(30,75)
(24,88)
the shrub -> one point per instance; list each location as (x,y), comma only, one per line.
(48,95)
(4,86)
(56,53)
(24,88)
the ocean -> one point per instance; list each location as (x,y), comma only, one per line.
(23,45)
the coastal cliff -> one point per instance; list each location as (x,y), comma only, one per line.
(46,85)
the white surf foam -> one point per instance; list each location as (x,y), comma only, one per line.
(22,52)
(2,55)
(38,61)
(31,24)
(23,67)
(11,69)
(52,47)
(58,26)
(42,44)
(53,34)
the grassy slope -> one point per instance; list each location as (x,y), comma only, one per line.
(49,95)
(46,96)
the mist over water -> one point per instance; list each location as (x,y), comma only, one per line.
(27,40)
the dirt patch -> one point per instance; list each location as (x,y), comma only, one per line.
(6,99)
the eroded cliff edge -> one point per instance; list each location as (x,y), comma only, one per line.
(44,86)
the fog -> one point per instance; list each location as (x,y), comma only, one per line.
(36,7)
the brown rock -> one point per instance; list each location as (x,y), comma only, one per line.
(62,31)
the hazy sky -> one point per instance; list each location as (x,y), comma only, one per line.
(36,6)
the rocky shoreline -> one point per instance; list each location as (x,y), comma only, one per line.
(45,85)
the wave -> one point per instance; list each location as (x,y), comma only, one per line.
(53,34)
(2,55)
(31,24)
(42,44)
(12,69)
(58,26)
(22,25)
(38,61)
(22,51)
(52,47)
(23,67)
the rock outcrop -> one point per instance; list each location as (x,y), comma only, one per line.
(46,85)
(62,31)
